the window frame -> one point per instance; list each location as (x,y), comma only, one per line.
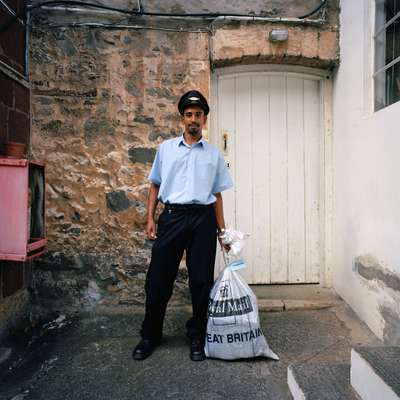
(376,72)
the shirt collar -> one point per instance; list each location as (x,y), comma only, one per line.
(181,141)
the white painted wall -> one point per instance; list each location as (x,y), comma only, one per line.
(366,171)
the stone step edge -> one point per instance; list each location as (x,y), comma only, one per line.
(264,305)
(299,393)
(294,305)
(295,390)
(366,382)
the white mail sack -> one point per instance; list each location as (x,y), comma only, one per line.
(233,326)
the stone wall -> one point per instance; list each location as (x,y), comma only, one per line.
(102,102)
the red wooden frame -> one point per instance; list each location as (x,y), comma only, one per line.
(15,243)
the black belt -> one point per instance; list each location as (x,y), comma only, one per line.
(191,206)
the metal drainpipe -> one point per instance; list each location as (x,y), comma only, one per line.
(27,45)
(296,21)
(28,79)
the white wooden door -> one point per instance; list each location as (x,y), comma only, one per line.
(269,128)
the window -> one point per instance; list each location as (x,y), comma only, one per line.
(387,53)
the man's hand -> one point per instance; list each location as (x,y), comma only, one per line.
(225,247)
(219,215)
(151,209)
(151,229)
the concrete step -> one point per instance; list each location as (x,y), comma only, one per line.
(294,297)
(375,372)
(294,305)
(320,382)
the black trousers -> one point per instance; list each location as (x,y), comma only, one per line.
(179,229)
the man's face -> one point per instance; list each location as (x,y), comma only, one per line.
(194,119)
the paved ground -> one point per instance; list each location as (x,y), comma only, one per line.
(90,358)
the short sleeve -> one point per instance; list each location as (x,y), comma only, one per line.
(155,173)
(223,180)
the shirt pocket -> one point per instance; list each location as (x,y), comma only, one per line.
(205,171)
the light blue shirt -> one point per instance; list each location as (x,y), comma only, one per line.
(189,174)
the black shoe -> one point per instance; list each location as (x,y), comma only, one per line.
(143,349)
(197,350)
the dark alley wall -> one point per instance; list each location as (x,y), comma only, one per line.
(15,277)
(14,110)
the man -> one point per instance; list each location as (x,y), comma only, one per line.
(187,176)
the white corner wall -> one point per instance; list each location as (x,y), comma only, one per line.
(366,172)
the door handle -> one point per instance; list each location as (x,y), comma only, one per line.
(225,141)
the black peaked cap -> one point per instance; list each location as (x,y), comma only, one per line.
(193,98)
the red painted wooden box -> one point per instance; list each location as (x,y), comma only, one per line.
(22,209)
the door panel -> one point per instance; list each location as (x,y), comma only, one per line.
(278,183)
(260,239)
(312,131)
(271,124)
(243,161)
(296,183)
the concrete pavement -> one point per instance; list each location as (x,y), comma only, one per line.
(89,357)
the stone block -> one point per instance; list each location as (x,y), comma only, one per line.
(293,305)
(153,136)
(94,126)
(270,305)
(68,48)
(294,42)
(53,126)
(144,119)
(141,154)
(197,67)
(198,47)
(132,89)
(160,92)
(227,44)
(279,50)
(328,45)
(117,201)
(309,46)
